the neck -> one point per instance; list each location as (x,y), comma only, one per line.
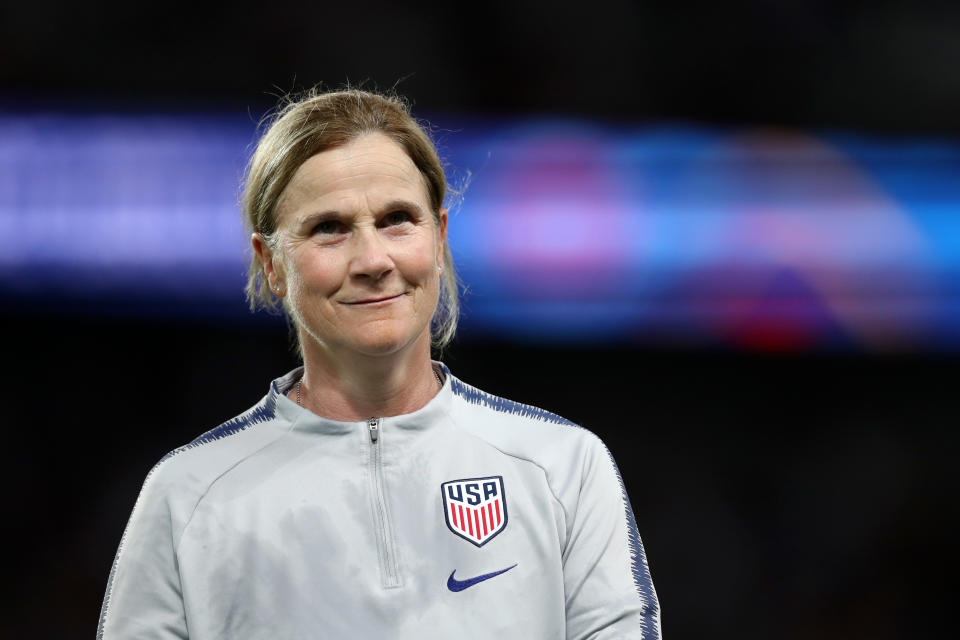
(358,387)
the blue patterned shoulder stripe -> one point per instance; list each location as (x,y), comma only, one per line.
(642,581)
(476,396)
(263,411)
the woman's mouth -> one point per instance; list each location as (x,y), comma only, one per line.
(373,300)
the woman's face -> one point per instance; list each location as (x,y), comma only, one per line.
(359,249)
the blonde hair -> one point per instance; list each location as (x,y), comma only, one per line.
(318,121)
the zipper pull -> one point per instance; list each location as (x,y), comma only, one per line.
(374,425)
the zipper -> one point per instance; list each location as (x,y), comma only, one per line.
(389,568)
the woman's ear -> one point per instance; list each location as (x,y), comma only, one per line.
(441,236)
(271,272)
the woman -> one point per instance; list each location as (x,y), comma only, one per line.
(370,493)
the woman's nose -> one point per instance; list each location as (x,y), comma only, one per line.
(371,258)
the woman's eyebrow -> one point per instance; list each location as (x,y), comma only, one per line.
(400,204)
(319,216)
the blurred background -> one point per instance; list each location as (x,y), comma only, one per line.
(723,236)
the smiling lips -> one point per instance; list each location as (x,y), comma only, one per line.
(368,301)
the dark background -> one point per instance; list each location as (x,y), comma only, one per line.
(779,495)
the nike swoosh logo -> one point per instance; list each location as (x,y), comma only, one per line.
(459,585)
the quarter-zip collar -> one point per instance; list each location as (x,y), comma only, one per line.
(400,428)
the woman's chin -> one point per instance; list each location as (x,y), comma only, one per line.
(382,343)
(371,339)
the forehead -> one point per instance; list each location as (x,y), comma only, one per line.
(362,172)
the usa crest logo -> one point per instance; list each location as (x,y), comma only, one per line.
(475,508)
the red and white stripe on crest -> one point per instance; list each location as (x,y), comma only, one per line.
(469,520)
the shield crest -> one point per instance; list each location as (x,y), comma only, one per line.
(475,508)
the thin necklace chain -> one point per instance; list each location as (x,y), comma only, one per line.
(436,374)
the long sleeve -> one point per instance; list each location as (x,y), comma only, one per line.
(143,598)
(609,591)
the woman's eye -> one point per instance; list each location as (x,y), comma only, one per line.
(328,226)
(397,217)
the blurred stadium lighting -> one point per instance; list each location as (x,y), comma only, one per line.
(569,230)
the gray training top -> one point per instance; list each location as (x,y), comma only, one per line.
(473,517)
